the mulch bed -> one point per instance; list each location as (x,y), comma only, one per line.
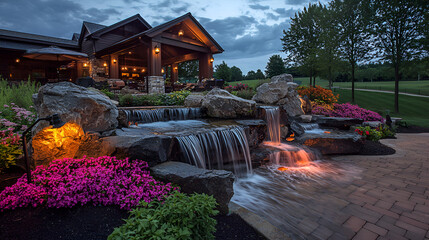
(376,148)
(412,129)
(93,222)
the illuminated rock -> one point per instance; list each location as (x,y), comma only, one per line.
(89,108)
(56,143)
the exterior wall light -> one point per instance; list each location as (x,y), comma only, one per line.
(143,70)
(211,60)
(134,69)
(85,65)
(157,49)
(175,68)
(114,60)
(105,64)
(130,53)
(55,121)
(162,70)
(18,60)
(180,33)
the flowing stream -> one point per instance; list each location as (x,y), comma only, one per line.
(284,190)
(162,114)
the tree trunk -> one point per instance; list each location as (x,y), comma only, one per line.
(311,80)
(397,77)
(353,83)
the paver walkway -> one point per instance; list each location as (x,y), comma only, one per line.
(375,197)
(389,201)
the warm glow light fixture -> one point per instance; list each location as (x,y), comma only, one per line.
(130,53)
(55,121)
(162,70)
(85,65)
(157,49)
(125,68)
(17,60)
(134,69)
(211,60)
(114,60)
(143,70)
(180,33)
(105,64)
(122,68)
(175,68)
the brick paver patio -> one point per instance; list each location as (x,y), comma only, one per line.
(389,199)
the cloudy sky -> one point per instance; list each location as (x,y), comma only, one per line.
(248,30)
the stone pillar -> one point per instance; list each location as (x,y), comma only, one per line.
(205,66)
(156,84)
(114,66)
(174,72)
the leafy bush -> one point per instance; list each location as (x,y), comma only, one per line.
(178,217)
(246,94)
(347,110)
(15,118)
(318,94)
(369,133)
(175,98)
(386,131)
(126,100)
(108,93)
(9,148)
(68,182)
(20,94)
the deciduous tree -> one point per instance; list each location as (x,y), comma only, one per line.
(275,66)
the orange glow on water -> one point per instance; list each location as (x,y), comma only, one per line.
(328,132)
(291,137)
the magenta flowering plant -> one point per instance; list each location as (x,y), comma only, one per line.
(16,118)
(348,110)
(98,181)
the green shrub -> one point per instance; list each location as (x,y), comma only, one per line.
(20,94)
(246,94)
(108,93)
(9,148)
(175,98)
(386,131)
(126,100)
(178,217)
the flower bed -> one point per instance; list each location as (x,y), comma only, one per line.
(318,95)
(69,182)
(347,110)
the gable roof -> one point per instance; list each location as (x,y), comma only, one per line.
(35,38)
(75,36)
(93,27)
(121,23)
(160,28)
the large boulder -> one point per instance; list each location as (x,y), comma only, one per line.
(333,143)
(218,183)
(338,122)
(90,109)
(151,149)
(194,100)
(280,91)
(282,77)
(220,103)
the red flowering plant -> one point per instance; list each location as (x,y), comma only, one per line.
(10,148)
(237,87)
(98,181)
(369,133)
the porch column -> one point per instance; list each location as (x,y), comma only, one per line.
(114,66)
(155,79)
(205,66)
(174,72)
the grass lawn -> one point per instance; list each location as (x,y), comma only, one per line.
(254,83)
(413,110)
(416,87)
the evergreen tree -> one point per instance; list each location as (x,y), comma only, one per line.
(236,74)
(222,71)
(259,74)
(275,66)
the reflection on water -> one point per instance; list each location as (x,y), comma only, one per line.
(285,195)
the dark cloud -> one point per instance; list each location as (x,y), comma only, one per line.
(272,16)
(60,18)
(285,12)
(233,35)
(299,2)
(259,7)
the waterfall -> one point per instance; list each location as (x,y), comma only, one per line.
(284,154)
(272,116)
(217,148)
(162,114)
